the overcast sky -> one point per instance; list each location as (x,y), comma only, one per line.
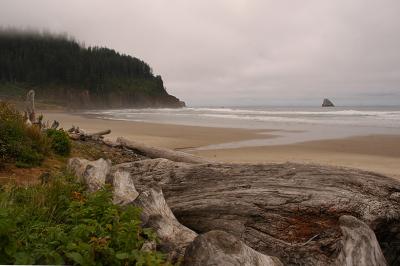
(241,52)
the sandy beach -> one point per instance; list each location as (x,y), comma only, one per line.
(156,134)
(378,153)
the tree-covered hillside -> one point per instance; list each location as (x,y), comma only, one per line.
(63,71)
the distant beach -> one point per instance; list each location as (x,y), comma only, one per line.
(291,124)
(370,150)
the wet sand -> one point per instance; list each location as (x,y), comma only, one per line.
(378,153)
(162,135)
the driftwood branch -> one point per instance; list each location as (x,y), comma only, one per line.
(100,133)
(77,133)
(153,152)
(55,124)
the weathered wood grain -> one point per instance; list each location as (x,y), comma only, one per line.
(286,210)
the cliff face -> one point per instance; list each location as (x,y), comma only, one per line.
(86,99)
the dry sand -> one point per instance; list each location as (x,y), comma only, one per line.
(378,153)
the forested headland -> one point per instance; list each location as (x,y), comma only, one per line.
(63,71)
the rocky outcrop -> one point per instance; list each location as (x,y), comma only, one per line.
(327,103)
(221,248)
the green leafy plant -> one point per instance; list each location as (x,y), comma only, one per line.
(60,142)
(59,223)
(27,146)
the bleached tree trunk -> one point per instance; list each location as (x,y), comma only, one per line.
(155,152)
(30,106)
(291,211)
(77,133)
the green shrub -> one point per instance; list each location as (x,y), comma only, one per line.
(26,146)
(60,142)
(59,223)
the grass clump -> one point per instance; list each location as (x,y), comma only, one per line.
(60,223)
(60,142)
(26,146)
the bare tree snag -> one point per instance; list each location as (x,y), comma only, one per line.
(30,106)
(154,152)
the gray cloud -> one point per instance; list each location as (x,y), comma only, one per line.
(241,51)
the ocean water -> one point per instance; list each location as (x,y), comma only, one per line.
(289,124)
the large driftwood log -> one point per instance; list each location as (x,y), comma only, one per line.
(286,210)
(153,152)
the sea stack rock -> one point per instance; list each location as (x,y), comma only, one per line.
(327,103)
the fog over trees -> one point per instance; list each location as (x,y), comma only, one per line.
(63,70)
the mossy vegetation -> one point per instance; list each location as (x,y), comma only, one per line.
(60,142)
(26,146)
(54,220)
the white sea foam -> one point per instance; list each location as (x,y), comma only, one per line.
(249,112)
(260,117)
(259,112)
